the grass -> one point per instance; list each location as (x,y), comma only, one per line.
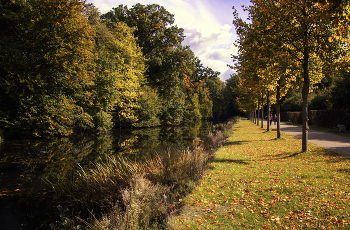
(259,182)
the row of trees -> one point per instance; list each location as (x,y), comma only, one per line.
(288,44)
(64,68)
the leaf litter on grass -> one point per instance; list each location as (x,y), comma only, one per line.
(259,182)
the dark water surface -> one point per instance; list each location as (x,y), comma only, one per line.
(26,199)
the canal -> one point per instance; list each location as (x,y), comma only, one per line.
(28,166)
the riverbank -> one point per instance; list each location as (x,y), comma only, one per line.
(118,192)
(259,182)
(26,164)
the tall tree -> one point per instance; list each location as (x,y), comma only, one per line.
(120,83)
(161,45)
(231,95)
(46,54)
(304,30)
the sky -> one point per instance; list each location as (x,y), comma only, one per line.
(207,26)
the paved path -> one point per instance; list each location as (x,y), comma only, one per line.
(332,142)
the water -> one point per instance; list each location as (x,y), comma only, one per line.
(26,199)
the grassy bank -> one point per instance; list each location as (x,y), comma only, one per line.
(258,182)
(119,193)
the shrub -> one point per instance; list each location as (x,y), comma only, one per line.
(294,117)
(322,118)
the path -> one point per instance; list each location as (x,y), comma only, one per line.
(332,142)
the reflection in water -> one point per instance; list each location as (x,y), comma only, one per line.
(26,201)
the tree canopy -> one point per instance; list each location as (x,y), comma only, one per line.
(296,41)
(65,67)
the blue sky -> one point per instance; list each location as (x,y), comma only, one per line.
(207,26)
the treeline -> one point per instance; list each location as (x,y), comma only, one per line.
(65,68)
(290,46)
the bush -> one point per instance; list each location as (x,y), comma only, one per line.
(321,118)
(329,118)
(294,117)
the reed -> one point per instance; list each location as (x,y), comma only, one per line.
(118,193)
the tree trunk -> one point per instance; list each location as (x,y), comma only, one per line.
(305,93)
(262,109)
(278,105)
(254,115)
(258,111)
(268,110)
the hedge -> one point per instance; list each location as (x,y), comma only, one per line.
(322,118)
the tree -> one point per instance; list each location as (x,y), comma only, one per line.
(161,45)
(231,95)
(120,83)
(340,93)
(46,54)
(305,30)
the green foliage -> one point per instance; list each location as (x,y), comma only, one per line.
(319,100)
(148,108)
(103,121)
(330,93)
(292,101)
(66,68)
(119,71)
(168,62)
(231,95)
(193,111)
(45,59)
(205,103)
(340,93)
(216,88)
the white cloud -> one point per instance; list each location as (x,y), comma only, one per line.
(207,26)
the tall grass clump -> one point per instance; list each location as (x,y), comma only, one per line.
(118,193)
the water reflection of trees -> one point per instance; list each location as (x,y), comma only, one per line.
(30,161)
(140,144)
(25,165)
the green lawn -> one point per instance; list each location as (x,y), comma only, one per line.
(258,182)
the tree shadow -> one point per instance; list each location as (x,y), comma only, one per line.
(281,156)
(221,160)
(234,143)
(344,171)
(230,143)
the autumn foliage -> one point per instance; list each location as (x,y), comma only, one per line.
(66,68)
(289,44)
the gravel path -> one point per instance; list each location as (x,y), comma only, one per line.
(332,142)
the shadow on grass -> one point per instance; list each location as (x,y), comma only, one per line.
(234,143)
(220,160)
(281,156)
(231,143)
(344,171)
(271,130)
(288,155)
(263,158)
